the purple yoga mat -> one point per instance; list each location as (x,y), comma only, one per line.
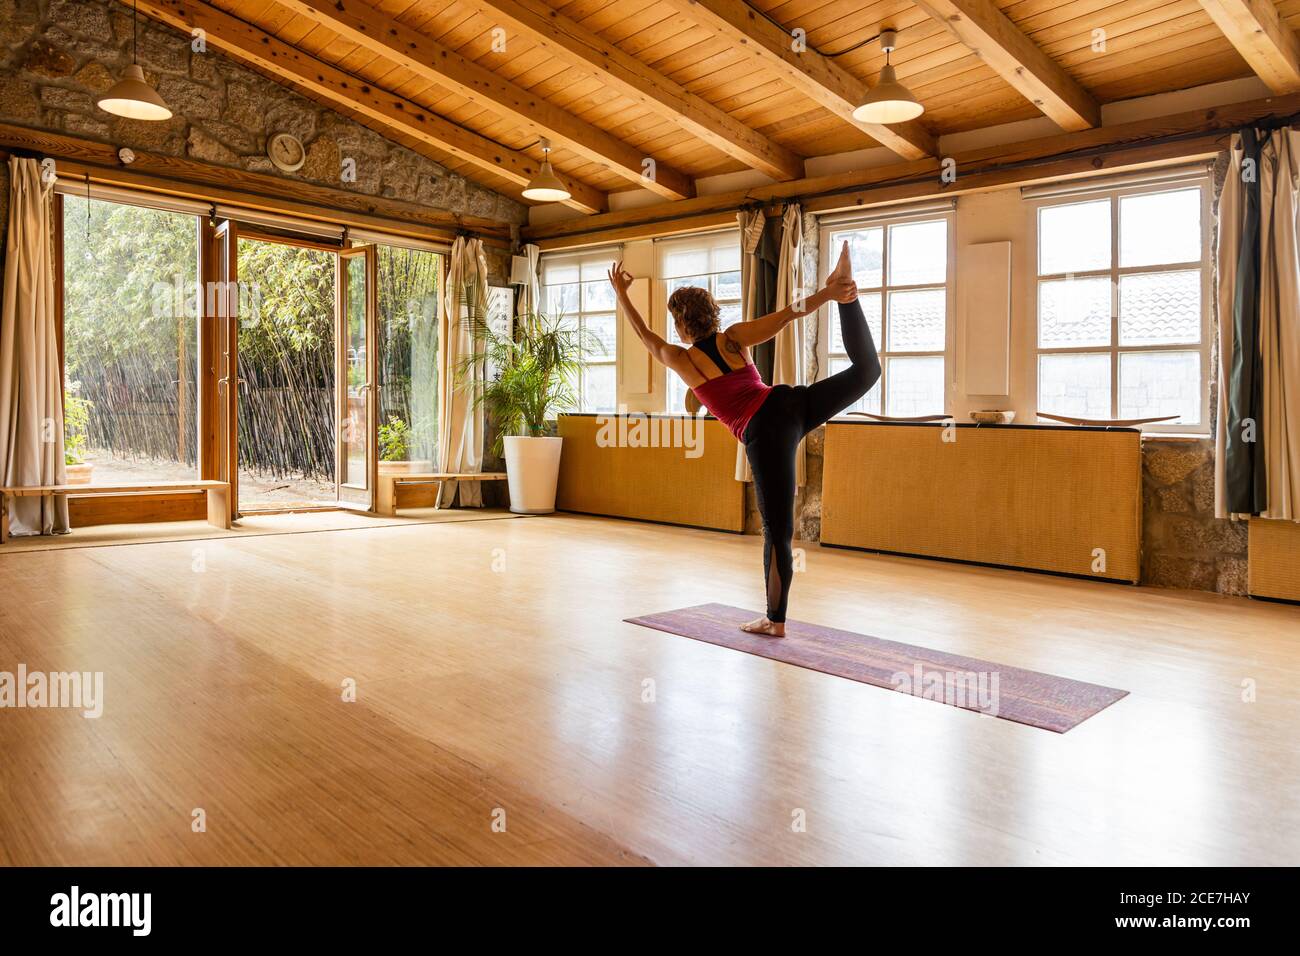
(1026,697)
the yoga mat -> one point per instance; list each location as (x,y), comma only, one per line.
(1012,693)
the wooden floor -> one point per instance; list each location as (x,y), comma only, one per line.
(494,673)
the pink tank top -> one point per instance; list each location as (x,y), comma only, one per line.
(733,398)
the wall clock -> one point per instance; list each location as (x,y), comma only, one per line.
(286,152)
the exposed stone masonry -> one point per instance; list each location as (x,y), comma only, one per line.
(57,55)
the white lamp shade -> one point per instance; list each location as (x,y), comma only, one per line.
(546,186)
(133,98)
(889,102)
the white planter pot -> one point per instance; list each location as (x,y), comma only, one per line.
(532,470)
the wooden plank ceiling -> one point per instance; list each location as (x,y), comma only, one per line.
(704,87)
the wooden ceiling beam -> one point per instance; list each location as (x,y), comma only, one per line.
(1263,39)
(583,48)
(992,37)
(815,76)
(356,22)
(337,88)
(177,176)
(1089,149)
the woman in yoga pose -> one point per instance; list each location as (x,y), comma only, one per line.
(768,421)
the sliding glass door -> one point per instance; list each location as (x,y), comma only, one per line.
(225,297)
(355,377)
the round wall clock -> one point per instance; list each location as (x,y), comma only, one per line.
(286,152)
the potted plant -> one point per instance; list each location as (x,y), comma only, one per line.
(76,428)
(395,440)
(530,376)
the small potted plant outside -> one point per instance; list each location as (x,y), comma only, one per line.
(395,440)
(76,427)
(533,375)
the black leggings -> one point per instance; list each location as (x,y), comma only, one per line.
(772,438)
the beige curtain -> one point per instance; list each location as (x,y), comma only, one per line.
(788,365)
(460,421)
(1231,211)
(1279,322)
(31,380)
(530,293)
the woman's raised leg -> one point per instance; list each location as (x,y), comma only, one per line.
(832,395)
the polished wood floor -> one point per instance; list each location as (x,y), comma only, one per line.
(494,675)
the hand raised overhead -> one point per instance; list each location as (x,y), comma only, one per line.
(620,278)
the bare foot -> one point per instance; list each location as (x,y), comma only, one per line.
(843,266)
(765,627)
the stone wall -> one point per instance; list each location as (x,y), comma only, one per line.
(56,55)
(1183,544)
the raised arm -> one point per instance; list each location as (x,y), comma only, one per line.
(663,352)
(757,331)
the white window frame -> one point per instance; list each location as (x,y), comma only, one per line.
(1114,350)
(601,258)
(826,314)
(709,242)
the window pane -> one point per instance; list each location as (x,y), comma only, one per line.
(562,273)
(1160,227)
(1073,313)
(1160,308)
(596,270)
(914,385)
(686,262)
(869,402)
(726,285)
(871,309)
(562,300)
(917,321)
(726,258)
(130,283)
(866,252)
(1160,383)
(918,253)
(676,401)
(598,388)
(1074,237)
(597,296)
(408,355)
(729,314)
(600,337)
(1077,384)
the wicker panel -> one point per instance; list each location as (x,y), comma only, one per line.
(1037,498)
(651,484)
(1275,559)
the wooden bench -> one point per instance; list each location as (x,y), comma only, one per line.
(218,493)
(386,499)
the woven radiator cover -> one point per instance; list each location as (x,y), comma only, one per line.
(1047,499)
(607,468)
(1275,559)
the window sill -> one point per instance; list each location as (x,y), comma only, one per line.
(1176,437)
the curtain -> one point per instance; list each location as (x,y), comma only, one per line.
(530,293)
(460,423)
(31,378)
(1257,443)
(1279,327)
(771,279)
(1243,474)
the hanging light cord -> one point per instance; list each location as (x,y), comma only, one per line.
(135,39)
(830,56)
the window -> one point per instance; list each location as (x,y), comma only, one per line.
(711,262)
(901,268)
(576,291)
(130,342)
(410,281)
(1122,305)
